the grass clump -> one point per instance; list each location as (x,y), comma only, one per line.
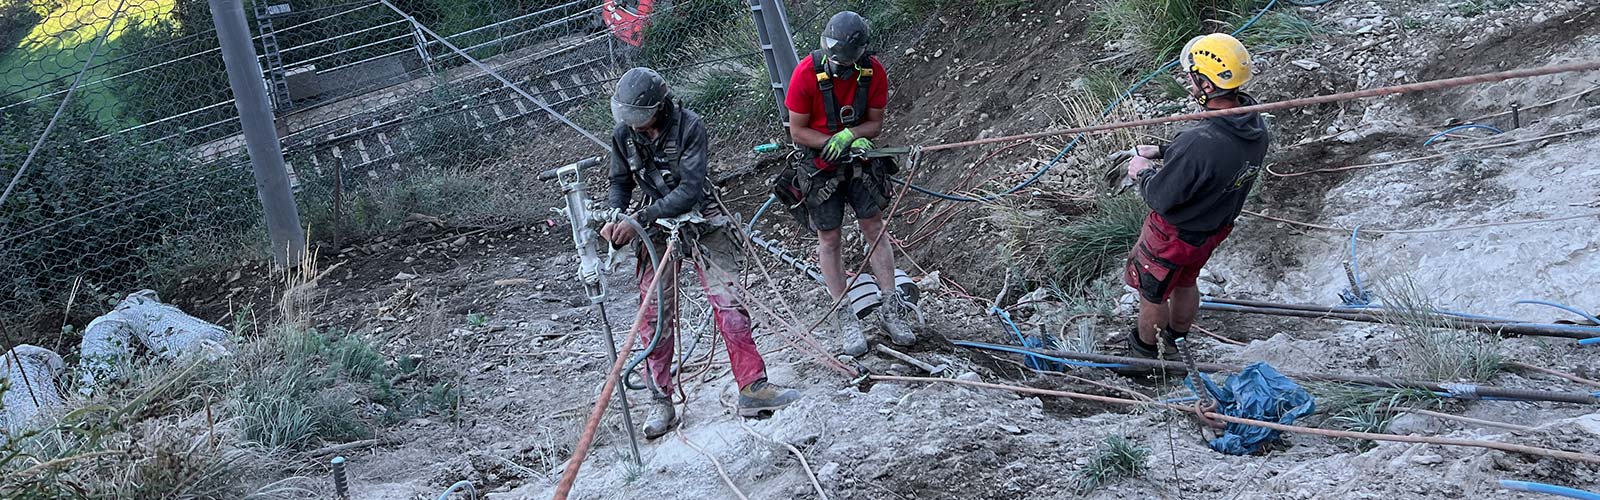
(1434,346)
(1475,8)
(1083,248)
(1114,457)
(1162,27)
(1365,408)
(1281,29)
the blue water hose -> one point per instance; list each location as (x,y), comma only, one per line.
(1356,296)
(1035,361)
(1025,352)
(1548,489)
(1447,131)
(1563,307)
(750,227)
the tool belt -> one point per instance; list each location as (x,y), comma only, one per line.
(800,181)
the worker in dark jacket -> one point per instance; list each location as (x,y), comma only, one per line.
(660,148)
(1195,195)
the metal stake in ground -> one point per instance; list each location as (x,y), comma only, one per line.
(590,273)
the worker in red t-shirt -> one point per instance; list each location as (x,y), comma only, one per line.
(836,102)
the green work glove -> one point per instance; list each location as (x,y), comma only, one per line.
(862,144)
(837,145)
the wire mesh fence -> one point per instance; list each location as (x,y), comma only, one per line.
(380,108)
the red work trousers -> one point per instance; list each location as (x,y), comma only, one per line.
(719,277)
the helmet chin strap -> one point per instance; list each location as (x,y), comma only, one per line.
(1204,98)
(837,70)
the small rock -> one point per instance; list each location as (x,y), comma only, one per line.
(938,53)
(405,277)
(969,377)
(421,422)
(1428,459)
(410,259)
(911,50)
(1306,64)
(462,241)
(555,317)
(1399,74)
(1463,245)
(1012,429)
(1558,170)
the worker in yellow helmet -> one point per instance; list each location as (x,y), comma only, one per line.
(1195,195)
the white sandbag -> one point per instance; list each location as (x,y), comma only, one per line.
(163,330)
(30,372)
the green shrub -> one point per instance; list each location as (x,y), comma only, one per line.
(17,18)
(1086,247)
(1114,457)
(1162,27)
(114,214)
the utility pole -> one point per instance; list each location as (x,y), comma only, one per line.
(777,47)
(260,138)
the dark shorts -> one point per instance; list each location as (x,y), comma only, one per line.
(860,193)
(1164,260)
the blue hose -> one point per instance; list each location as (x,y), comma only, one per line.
(1593,341)
(1114,103)
(1035,361)
(1356,296)
(1436,137)
(1548,489)
(1563,307)
(751,226)
(991,347)
(460,486)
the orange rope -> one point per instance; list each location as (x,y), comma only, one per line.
(581,451)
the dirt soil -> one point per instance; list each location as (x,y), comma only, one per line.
(531,369)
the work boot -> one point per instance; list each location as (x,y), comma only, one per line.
(1167,350)
(893,313)
(663,418)
(762,396)
(850,329)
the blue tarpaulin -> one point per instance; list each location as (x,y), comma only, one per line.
(1258,392)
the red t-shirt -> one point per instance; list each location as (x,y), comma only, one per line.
(806,97)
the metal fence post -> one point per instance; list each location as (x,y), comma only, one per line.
(777,47)
(261,139)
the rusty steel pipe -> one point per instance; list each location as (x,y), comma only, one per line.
(1576,332)
(1466,390)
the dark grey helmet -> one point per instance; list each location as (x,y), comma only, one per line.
(845,39)
(640,94)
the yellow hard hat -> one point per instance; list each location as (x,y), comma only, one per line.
(1220,58)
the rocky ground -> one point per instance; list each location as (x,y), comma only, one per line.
(530,369)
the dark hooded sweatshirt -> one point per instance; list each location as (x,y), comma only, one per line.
(1208,173)
(671,170)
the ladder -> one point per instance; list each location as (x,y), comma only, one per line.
(276,78)
(777,48)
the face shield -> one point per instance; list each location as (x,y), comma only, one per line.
(631,115)
(842,55)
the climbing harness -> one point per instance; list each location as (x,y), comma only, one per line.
(842,117)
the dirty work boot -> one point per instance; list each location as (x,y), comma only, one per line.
(893,313)
(1139,348)
(663,418)
(762,396)
(855,337)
